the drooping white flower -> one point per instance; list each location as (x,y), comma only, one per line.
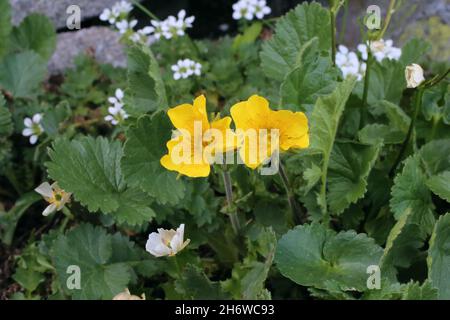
(166,242)
(33,128)
(185,68)
(124,25)
(414,75)
(55,196)
(349,64)
(126,295)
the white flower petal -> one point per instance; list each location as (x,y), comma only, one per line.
(45,190)
(33,139)
(27,132)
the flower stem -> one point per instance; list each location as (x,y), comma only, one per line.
(344,23)
(418,104)
(333,36)
(232,212)
(389,13)
(145,10)
(367,76)
(297,213)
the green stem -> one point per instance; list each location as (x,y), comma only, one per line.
(145,10)
(367,76)
(418,104)
(333,36)
(436,120)
(297,213)
(232,212)
(387,21)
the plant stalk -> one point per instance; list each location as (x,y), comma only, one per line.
(297,213)
(418,104)
(232,212)
(145,10)
(367,76)
(333,36)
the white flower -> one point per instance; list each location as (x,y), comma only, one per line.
(141,35)
(185,21)
(157,28)
(347,61)
(261,8)
(166,242)
(54,195)
(33,129)
(414,75)
(380,50)
(243,9)
(125,25)
(109,15)
(126,295)
(186,68)
(116,113)
(119,10)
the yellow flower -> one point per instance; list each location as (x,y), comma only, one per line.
(197,141)
(255,121)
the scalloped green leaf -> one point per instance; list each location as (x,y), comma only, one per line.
(312,255)
(145,145)
(36,32)
(410,192)
(280,54)
(22,73)
(146,88)
(104,272)
(90,169)
(439,257)
(349,169)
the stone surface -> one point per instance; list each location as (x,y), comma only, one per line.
(102,41)
(56,9)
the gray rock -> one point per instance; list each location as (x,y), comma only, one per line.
(56,9)
(102,41)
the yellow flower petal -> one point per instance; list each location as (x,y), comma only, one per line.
(185,115)
(293,128)
(251,114)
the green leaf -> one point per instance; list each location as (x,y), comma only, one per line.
(413,50)
(6,125)
(103,273)
(410,192)
(324,124)
(28,279)
(36,32)
(350,166)
(312,255)
(9,219)
(54,117)
(402,246)
(141,165)
(90,169)
(249,36)
(5,26)
(415,291)
(196,285)
(22,73)
(279,55)
(146,87)
(387,82)
(435,156)
(439,257)
(440,185)
(306,83)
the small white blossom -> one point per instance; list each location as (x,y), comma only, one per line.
(119,10)
(33,128)
(414,75)
(142,35)
(380,50)
(166,242)
(186,68)
(349,64)
(249,9)
(55,196)
(124,25)
(116,113)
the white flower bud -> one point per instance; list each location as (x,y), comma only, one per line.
(414,75)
